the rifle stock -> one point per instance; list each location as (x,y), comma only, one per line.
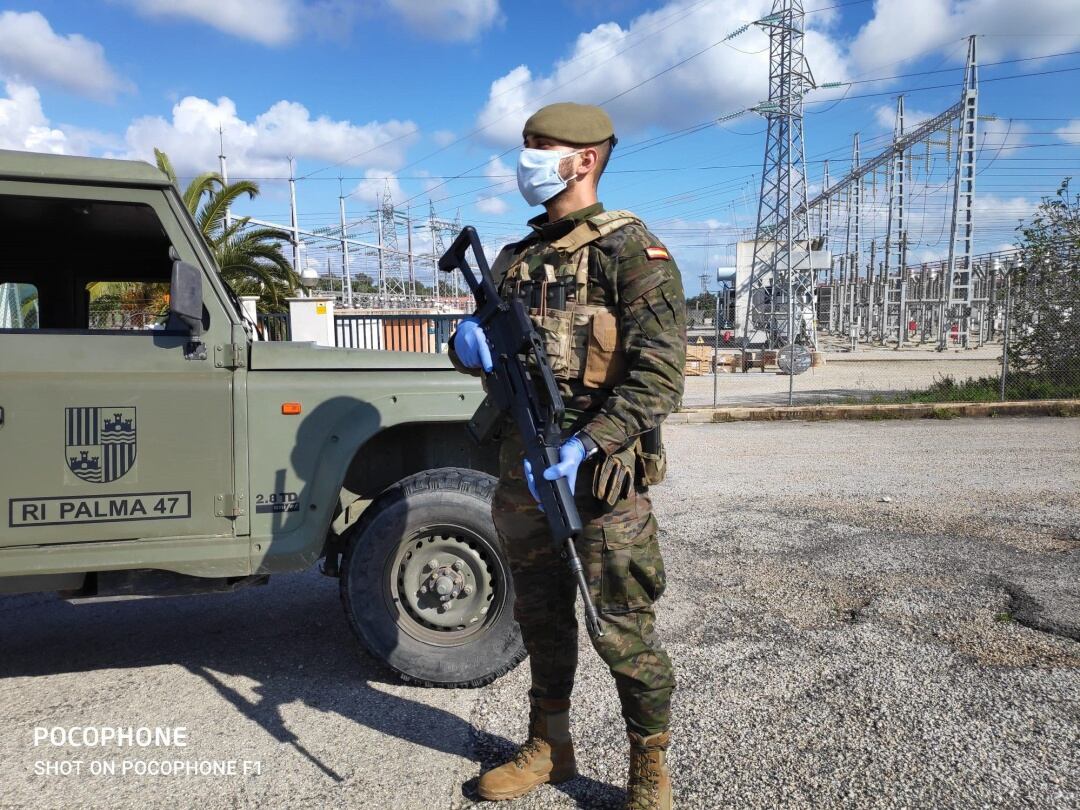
(535,404)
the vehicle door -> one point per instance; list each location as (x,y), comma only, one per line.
(110,430)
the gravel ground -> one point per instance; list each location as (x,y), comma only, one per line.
(861,614)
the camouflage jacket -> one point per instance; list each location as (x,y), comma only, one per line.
(631,271)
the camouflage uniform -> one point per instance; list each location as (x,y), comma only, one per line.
(629,271)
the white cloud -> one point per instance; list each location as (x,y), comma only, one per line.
(450,20)
(1000,139)
(1004,209)
(31,52)
(491,201)
(610,59)
(924,23)
(371,191)
(492,205)
(443,137)
(278,22)
(260,147)
(885,115)
(270,22)
(902,30)
(23,124)
(1070,133)
(497,168)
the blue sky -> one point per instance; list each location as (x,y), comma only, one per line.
(399,88)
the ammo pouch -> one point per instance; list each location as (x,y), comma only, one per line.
(651,458)
(581,340)
(651,467)
(582,343)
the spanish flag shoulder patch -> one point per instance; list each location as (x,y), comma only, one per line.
(657,253)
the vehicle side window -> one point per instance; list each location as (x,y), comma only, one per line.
(126,305)
(109,272)
(18,306)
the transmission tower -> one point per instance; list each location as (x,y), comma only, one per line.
(781,289)
(961,279)
(442,231)
(455,229)
(438,247)
(392,280)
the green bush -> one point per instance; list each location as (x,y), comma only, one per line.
(1018,385)
(1046,293)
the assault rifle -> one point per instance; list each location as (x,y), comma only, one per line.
(535,404)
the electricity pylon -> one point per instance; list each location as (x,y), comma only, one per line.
(780,299)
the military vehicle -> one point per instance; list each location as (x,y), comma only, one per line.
(178,455)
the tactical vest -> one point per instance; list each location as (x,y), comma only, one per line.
(582,341)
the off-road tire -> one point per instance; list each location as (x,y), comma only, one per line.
(397,518)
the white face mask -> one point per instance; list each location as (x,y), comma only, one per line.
(538,175)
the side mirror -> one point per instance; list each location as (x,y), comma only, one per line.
(185,302)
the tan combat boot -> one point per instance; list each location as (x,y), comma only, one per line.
(649,784)
(547,756)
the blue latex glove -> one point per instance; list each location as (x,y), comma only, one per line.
(571,454)
(532,483)
(470,344)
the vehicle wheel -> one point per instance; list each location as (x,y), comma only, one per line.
(426,584)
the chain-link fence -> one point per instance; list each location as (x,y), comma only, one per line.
(1021,341)
(112,319)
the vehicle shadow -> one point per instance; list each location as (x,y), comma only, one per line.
(290,638)
(261,649)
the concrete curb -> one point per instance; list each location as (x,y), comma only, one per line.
(940,410)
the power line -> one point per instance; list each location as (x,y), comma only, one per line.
(906,90)
(950,70)
(480,129)
(689,10)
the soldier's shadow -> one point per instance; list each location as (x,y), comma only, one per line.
(290,639)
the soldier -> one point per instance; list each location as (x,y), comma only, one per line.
(608,300)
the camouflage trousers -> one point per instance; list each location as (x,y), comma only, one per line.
(625,574)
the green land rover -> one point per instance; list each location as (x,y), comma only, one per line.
(184,456)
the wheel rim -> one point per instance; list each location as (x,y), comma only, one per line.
(446,585)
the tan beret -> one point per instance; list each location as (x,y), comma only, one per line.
(570,123)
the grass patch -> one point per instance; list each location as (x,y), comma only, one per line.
(1018,386)
(941,413)
(988,389)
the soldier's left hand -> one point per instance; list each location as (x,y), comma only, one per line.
(571,454)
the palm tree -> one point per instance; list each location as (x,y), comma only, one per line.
(250,259)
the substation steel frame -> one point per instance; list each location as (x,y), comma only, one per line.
(780,230)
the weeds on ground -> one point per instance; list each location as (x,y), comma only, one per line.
(988,389)
(1018,386)
(941,413)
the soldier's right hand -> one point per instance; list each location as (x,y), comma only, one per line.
(471,346)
